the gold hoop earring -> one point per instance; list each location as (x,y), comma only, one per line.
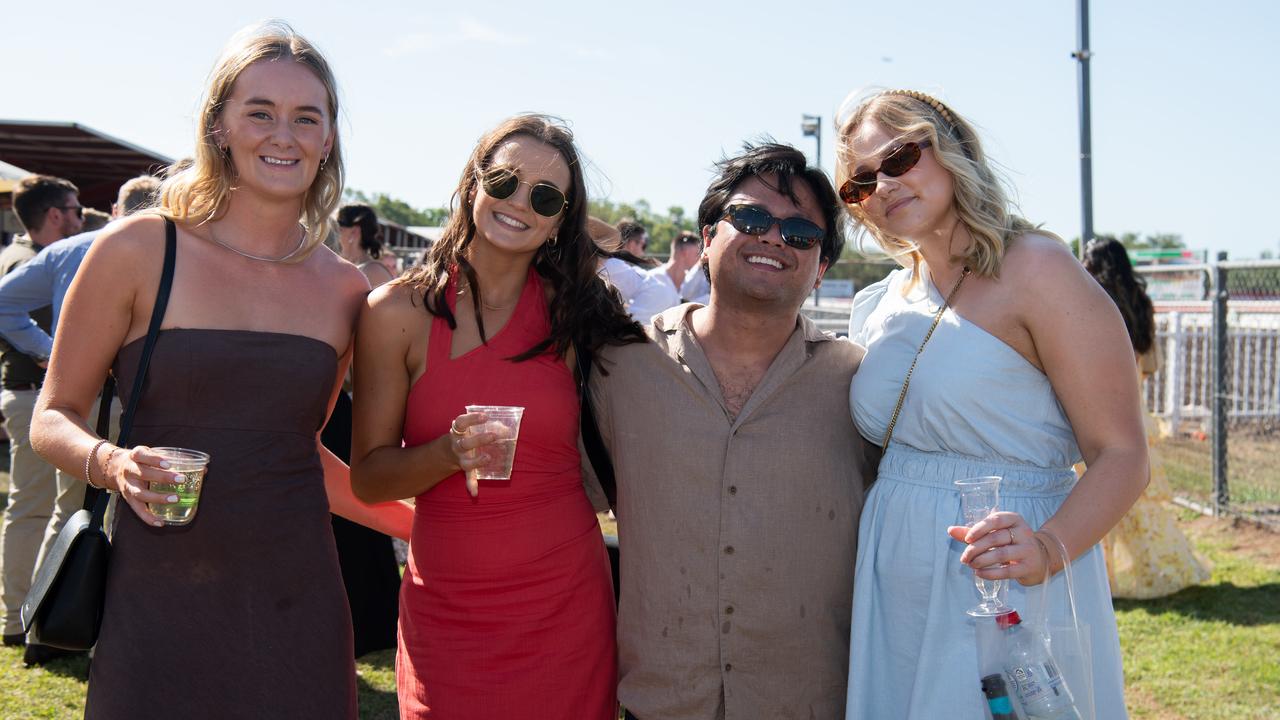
(551,241)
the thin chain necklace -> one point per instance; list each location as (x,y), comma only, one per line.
(888,433)
(463,291)
(302,240)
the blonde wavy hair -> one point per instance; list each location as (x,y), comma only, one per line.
(200,191)
(980,199)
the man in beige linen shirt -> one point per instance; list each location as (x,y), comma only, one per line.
(739,472)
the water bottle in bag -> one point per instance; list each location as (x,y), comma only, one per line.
(997,697)
(1036,678)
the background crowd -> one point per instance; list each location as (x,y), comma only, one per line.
(711,389)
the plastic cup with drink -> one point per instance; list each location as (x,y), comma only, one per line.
(191,465)
(503,421)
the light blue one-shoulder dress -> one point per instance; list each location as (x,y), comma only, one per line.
(975,407)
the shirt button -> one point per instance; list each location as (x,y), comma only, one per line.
(728,610)
(728,550)
(733,489)
(728,667)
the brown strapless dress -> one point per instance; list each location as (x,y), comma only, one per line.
(242,613)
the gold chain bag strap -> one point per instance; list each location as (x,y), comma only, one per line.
(893,420)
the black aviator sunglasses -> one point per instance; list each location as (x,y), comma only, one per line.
(896,164)
(797,232)
(501,183)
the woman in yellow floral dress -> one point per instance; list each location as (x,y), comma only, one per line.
(1147,555)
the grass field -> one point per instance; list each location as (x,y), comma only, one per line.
(1207,653)
(1253,470)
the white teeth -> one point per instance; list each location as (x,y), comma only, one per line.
(758,260)
(510,221)
(278,161)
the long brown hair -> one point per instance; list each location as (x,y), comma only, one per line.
(584,310)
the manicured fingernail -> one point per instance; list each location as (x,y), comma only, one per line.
(172,499)
(179,478)
(164,464)
(158,523)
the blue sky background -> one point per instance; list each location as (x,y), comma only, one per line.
(1184,99)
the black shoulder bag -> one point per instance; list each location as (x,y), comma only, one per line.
(64,607)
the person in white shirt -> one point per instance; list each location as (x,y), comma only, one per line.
(686,248)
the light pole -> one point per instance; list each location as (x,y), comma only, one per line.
(811,125)
(1082,56)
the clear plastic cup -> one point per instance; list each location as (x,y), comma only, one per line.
(504,422)
(191,464)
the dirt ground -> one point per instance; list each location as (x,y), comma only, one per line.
(1250,539)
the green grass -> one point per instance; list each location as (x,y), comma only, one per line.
(56,691)
(1207,652)
(1253,470)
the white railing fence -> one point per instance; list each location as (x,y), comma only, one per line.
(1181,392)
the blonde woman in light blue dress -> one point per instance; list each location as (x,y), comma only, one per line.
(1027,371)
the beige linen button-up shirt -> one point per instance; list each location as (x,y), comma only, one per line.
(737,535)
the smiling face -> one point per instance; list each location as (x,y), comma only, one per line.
(277,128)
(763,268)
(510,224)
(915,205)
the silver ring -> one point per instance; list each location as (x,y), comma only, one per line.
(1010,531)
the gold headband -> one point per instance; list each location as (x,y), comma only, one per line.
(929,100)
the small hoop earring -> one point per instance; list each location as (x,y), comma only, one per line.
(323,160)
(551,241)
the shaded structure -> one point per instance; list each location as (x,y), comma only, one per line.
(96,162)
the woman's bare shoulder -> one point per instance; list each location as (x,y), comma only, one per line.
(1040,261)
(130,239)
(396,302)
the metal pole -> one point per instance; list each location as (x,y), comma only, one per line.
(1082,56)
(1221,496)
(817,138)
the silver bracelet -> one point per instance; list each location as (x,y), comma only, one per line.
(88,465)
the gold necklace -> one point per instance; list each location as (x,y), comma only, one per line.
(462,291)
(302,240)
(888,433)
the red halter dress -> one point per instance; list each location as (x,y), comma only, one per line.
(506,609)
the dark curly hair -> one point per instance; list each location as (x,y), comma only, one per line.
(788,166)
(1108,262)
(584,310)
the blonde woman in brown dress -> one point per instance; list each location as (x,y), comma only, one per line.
(240,613)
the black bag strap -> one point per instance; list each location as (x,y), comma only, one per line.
(99,502)
(591,440)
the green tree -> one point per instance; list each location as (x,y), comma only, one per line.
(1134,241)
(398,211)
(662,229)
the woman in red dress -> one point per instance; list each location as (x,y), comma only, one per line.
(506,609)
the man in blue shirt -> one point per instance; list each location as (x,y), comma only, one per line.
(42,282)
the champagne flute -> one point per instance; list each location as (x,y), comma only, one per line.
(979,497)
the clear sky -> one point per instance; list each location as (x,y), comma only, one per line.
(1184,93)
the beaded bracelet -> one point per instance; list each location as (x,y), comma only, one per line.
(88,465)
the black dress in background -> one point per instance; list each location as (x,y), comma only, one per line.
(368,560)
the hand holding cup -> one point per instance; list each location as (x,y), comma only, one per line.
(466,433)
(133,471)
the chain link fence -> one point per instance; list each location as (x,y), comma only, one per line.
(1214,401)
(1216,396)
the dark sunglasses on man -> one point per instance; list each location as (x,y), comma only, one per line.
(897,163)
(501,183)
(78,208)
(797,232)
